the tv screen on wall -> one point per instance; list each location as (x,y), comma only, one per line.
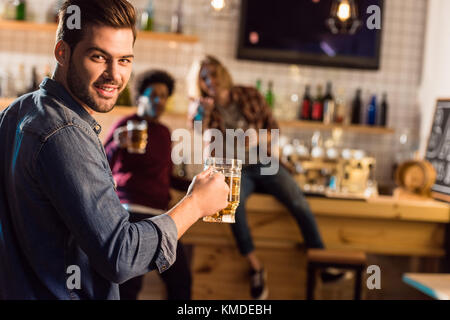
(297,32)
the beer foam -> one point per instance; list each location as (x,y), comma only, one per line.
(228,218)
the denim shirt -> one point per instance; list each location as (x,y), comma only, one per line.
(59,208)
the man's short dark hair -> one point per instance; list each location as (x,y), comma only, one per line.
(148,78)
(112,13)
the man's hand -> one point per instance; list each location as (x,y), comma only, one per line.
(207,194)
(209,191)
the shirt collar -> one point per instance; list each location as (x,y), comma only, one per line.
(57,90)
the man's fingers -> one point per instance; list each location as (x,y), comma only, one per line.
(219,176)
(205,173)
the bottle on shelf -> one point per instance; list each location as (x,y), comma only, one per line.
(21,9)
(317,150)
(270,96)
(176,23)
(356,108)
(34,84)
(306,105)
(147,17)
(372,111)
(317,107)
(328,105)
(20,81)
(258,85)
(9,84)
(340,108)
(382,115)
(53,13)
(9,10)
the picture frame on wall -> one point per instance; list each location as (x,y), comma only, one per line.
(438,150)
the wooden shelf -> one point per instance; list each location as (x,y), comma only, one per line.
(312,125)
(26,26)
(166,36)
(304,125)
(51,27)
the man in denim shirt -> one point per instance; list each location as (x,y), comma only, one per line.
(58,208)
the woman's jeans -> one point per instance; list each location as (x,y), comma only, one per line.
(284,188)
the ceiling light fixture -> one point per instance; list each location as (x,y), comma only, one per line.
(344,17)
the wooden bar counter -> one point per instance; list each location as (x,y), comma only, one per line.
(382,225)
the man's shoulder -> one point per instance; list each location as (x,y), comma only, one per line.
(43,115)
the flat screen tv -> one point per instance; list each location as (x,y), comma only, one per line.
(296,32)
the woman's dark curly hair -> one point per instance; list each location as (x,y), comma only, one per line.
(146,79)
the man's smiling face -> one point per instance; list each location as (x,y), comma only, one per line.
(100,66)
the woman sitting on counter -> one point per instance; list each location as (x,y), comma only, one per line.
(222,106)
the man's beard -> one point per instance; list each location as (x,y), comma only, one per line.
(81,91)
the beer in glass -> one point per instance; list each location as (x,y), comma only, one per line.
(137,136)
(231,169)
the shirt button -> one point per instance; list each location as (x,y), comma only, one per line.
(97,127)
(164,267)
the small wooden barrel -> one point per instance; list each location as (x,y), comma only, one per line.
(416,176)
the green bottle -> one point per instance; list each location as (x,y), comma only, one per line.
(270,96)
(259,85)
(147,17)
(20,9)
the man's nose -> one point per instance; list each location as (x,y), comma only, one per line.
(112,72)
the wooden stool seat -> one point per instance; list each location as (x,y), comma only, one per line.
(337,256)
(319,259)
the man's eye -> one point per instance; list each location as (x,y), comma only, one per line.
(98,57)
(125,61)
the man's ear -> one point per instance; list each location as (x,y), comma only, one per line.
(62,53)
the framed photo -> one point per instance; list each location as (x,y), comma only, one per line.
(438,150)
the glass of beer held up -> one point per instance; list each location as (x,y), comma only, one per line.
(231,169)
(137,136)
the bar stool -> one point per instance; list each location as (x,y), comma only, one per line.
(319,259)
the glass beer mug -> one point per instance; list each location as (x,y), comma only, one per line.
(137,136)
(231,169)
(133,136)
